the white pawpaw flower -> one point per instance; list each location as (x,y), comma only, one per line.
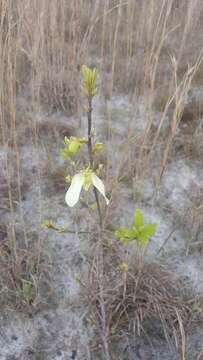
(85,179)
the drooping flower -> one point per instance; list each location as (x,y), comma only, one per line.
(85,179)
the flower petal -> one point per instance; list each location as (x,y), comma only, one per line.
(100,186)
(73,193)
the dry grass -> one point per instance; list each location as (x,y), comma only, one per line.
(145,302)
(23,272)
(140,47)
(42,62)
(46,58)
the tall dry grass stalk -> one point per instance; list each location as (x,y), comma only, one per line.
(128,37)
(54,38)
(8,76)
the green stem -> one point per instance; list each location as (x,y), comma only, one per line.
(89,144)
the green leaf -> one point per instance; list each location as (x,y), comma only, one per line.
(66,140)
(130,233)
(89,81)
(139,233)
(47,224)
(85,73)
(61,229)
(65,153)
(138,218)
(125,235)
(146,232)
(121,232)
(74,146)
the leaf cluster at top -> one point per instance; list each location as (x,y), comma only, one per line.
(89,81)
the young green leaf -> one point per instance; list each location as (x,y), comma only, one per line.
(121,235)
(140,233)
(74,146)
(146,232)
(121,232)
(89,81)
(47,224)
(61,229)
(125,235)
(65,153)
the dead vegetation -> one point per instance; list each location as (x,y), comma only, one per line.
(24,268)
(145,301)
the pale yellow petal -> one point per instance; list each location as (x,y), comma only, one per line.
(97,182)
(73,193)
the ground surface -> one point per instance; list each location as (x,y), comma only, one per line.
(58,330)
